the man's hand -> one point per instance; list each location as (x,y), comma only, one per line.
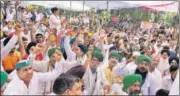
(107,89)
(19,28)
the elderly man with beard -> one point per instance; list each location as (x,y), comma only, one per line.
(163,65)
(27,81)
(148,86)
(132,84)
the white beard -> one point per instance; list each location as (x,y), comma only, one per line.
(163,65)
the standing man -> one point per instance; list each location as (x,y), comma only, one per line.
(54,20)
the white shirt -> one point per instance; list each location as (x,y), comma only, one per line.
(22,89)
(157,78)
(54,22)
(121,69)
(28,36)
(10,16)
(167,82)
(39,16)
(70,54)
(175,87)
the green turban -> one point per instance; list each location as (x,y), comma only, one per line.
(21,64)
(97,49)
(52,51)
(72,40)
(98,55)
(142,58)
(4,78)
(130,80)
(115,54)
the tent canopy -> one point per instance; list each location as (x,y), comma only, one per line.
(167,6)
(69,5)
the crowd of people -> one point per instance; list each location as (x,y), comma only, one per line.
(53,55)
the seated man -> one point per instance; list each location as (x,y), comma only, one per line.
(67,84)
(131,84)
(27,81)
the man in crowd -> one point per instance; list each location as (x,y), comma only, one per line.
(48,50)
(149,86)
(27,80)
(169,79)
(132,84)
(113,61)
(67,84)
(94,78)
(54,20)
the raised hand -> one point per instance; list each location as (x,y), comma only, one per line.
(19,28)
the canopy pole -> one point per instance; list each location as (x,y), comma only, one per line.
(70,8)
(83,4)
(107,5)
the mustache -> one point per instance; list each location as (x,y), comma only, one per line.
(142,69)
(134,93)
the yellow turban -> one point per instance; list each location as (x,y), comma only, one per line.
(90,34)
(52,38)
(1,33)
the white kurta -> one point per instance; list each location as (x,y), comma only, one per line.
(167,82)
(121,69)
(158,78)
(94,83)
(22,89)
(28,36)
(10,16)
(54,22)
(150,85)
(175,87)
(71,56)
(42,66)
